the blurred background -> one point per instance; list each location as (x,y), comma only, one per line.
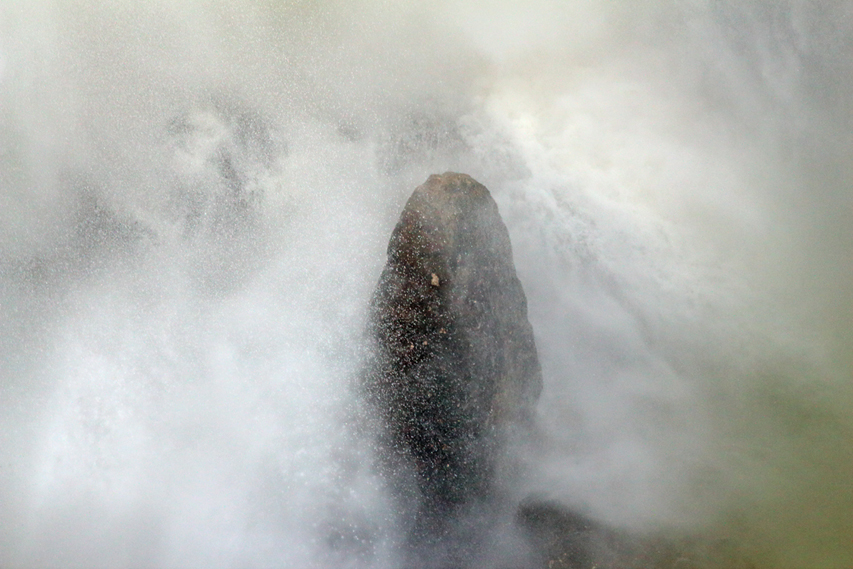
(196,197)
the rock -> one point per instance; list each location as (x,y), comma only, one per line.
(454,369)
(559,538)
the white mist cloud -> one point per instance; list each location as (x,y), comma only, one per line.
(195,201)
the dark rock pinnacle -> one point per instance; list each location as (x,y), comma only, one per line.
(454,368)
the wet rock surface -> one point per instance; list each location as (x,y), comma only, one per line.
(455,371)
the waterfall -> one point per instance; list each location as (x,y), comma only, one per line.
(195,203)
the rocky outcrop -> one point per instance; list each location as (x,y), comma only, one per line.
(454,368)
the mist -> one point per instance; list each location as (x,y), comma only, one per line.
(196,198)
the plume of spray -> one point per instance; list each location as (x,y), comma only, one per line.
(195,201)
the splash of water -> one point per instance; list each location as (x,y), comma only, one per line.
(194,206)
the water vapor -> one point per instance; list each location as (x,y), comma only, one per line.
(196,197)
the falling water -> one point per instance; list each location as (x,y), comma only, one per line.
(195,199)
